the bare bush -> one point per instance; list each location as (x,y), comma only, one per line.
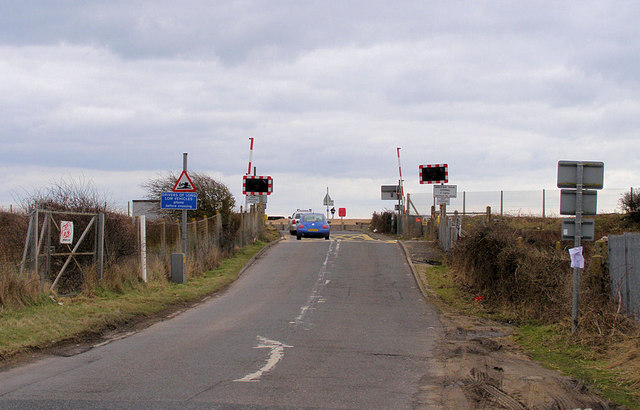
(70,194)
(630,203)
(525,276)
(13,230)
(213,196)
(382,223)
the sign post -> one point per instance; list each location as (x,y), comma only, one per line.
(578,175)
(327,201)
(183,197)
(184,211)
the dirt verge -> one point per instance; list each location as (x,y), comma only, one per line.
(478,366)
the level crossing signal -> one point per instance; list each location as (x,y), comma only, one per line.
(434,174)
(257,185)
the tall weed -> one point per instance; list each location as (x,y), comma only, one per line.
(18,290)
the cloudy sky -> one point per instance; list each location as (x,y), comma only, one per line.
(115,91)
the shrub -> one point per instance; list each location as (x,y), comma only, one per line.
(516,272)
(630,203)
(13,230)
(382,223)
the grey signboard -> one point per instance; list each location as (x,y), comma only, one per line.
(593,174)
(569,229)
(390,192)
(568,202)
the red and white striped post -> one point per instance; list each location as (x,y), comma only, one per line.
(246,199)
(401,183)
(250,156)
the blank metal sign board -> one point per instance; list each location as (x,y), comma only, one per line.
(434,174)
(568,202)
(593,174)
(253,185)
(569,229)
(390,192)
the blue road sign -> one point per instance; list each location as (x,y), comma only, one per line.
(179,200)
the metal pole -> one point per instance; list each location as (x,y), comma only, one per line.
(143,247)
(184,211)
(100,256)
(543,202)
(36,247)
(576,243)
(464,202)
(501,202)
(45,275)
(27,242)
(327,204)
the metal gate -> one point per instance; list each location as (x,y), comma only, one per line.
(41,245)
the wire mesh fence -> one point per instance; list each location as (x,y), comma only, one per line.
(543,202)
(207,239)
(105,243)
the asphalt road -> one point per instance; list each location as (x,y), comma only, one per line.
(311,324)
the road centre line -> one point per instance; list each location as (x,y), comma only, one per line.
(314,297)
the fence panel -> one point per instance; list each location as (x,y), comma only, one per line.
(624,271)
(514,203)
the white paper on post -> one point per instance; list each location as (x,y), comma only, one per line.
(577,260)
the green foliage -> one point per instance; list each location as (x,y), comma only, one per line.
(213,196)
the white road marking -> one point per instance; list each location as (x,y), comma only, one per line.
(314,298)
(276,354)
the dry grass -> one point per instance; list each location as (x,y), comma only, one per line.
(18,290)
(99,308)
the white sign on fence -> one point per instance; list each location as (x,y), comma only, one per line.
(66,232)
(446,191)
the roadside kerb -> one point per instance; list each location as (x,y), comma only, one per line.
(416,277)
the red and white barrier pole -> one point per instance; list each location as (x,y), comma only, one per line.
(401,183)
(250,156)
(246,198)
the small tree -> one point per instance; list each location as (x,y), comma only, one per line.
(630,203)
(212,195)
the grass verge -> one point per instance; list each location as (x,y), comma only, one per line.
(552,346)
(51,322)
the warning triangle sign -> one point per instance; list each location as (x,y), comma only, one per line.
(184,184)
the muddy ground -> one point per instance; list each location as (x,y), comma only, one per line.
(478,366)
